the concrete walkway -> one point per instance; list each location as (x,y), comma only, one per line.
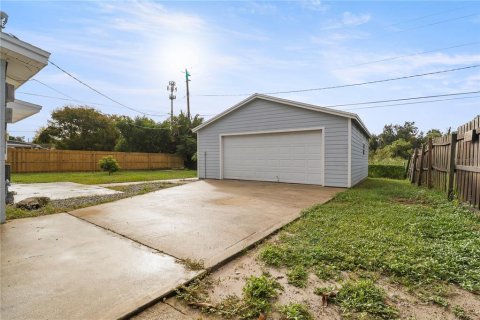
(208,220)
(57,190)
(60,267)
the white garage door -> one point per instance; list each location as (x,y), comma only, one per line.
(295,157)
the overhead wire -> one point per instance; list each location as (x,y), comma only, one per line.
(73,100)
(347,85)
(101,93)
(401,99)
(408,103)
(410,55)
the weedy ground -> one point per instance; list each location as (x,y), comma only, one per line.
(383,250)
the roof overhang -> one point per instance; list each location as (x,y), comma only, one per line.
(24,60)
(22,109)
(289,103)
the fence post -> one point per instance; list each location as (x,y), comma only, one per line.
(419,181)
(413,165)
(429,172)
(451,165)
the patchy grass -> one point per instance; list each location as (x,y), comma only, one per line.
(421,241)
(295,311)
(102,177)
(258,296)
(66,205)
(361,299)
(193,264)
(460,313)
(298,276)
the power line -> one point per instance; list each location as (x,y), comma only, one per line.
(410,55)
(401,99)
(417,102)
(435,23)
(426,16)
(99,92)
(52,88)
(74,100)
(347,85)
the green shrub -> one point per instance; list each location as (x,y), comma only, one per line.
(386,171)
(109,164)
(295,311)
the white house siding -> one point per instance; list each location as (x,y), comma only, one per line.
(359,158)
(263,115)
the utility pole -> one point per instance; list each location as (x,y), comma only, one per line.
(188,93)
(172,88)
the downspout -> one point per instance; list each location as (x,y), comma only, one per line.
(3,149)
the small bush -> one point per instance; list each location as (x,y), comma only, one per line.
(386,171)
(298,277)
(295,311)
(109,164)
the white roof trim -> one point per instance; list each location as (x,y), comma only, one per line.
(22,109)
(21,47)
(289,103)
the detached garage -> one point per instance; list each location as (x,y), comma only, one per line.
(266,138)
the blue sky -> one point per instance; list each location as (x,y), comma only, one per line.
(130,50)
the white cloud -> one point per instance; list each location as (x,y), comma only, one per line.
(351,19)
(315,5)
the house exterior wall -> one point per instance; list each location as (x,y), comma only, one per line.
(359,162)
(263,115)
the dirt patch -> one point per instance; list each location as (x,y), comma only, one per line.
(230,279)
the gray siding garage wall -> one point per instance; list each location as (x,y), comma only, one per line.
(359,158)
(263,115)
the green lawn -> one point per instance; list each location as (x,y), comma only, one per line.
(102,177)
(412,235)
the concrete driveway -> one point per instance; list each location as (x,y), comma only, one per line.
(208,220)
(123,255)
(60,267)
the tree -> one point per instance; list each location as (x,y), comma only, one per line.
(373,143)
(400,148)
(19,139)
(433,133)
(109,164)
(184,139)
(143,134)
(79,128)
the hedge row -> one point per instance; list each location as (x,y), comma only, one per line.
(386,171)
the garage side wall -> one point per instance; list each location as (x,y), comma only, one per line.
(261,115)
(359,154)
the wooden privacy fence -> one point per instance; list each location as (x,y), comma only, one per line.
(30,160)
(450,164)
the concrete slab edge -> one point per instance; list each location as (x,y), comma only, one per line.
(211,269)
(205,272)
(125,237)
(166,295)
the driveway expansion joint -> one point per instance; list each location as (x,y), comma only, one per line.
(124,236)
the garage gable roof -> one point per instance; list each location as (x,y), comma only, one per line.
(288,103)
